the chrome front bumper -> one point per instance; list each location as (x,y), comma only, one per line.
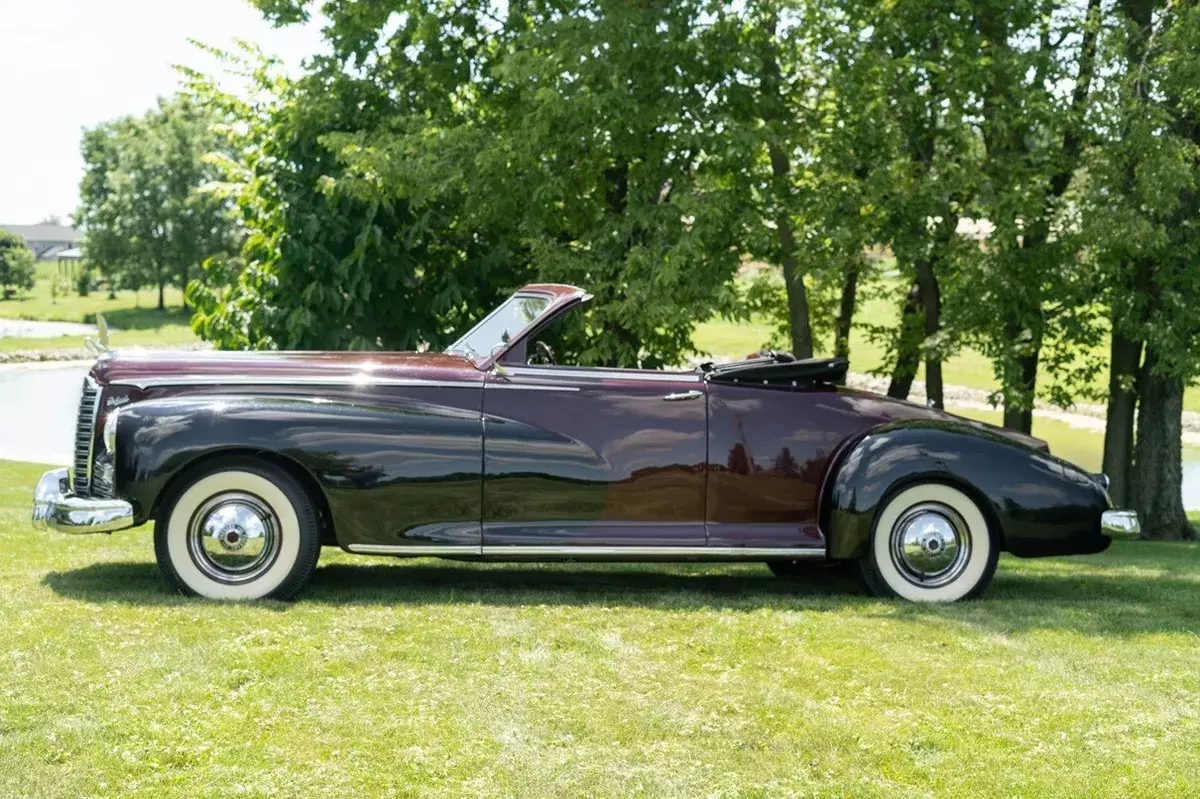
(55,507)
(1122,525)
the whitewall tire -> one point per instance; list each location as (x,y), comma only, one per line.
(930,543)
(239,530)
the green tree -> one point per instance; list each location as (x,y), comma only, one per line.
(802,156)
(911,74)
(17,264)
(1141,214)
(324,267)
(1033,304)
(568,143)
(148,216)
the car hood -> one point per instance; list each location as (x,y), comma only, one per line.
(143,368)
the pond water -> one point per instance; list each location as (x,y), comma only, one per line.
(1191,483)
(21,328)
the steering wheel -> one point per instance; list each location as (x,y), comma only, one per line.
(542,355)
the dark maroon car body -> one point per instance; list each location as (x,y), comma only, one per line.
(487,456)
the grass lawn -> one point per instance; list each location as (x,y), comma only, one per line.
(1072,677)
(134,316)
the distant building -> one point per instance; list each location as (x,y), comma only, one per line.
(46,241)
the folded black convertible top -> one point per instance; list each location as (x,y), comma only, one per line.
(780,370)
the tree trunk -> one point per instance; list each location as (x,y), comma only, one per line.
(931,304)
(1018,415)
(797,293)
(845,320)
(162,305)
(1125,357)
(184,282)
(793,275)
(1157,483)
(908,346)
(778,122)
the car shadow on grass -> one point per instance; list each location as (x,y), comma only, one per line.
(1147,594)
(452,582)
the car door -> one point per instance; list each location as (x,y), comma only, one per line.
(769,451)
(577,457)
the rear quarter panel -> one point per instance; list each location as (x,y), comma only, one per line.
(769,451)
(1037,504)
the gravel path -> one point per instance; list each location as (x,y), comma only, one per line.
(24,328)
(81,354)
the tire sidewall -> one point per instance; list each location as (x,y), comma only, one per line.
(883,575)
(171,534)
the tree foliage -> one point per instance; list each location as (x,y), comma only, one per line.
(17,265)
(541,145)
(321,268)
(1142,217)
(148,217)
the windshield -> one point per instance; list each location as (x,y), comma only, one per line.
(500,325)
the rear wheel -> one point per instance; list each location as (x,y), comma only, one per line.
(930,543)
(239,530)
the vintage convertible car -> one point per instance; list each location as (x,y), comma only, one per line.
(249,463)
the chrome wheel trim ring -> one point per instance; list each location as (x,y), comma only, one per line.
(234,537)
(930,544)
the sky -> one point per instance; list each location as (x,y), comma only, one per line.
(66,65)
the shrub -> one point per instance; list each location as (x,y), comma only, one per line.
(84,281)
(16,264)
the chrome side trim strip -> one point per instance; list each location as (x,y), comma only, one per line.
(367,380)
(416,550)
(362,380)
(554,373)
(584,551)
(526,387)
(581,552)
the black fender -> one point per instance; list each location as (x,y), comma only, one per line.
(1036,504)
(390,471)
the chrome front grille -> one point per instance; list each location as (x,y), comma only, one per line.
(85,430)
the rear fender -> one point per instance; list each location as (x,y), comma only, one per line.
(1035,504)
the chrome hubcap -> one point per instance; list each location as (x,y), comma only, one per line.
(931,544)
(234,537)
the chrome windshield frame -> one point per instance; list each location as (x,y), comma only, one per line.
(559,301)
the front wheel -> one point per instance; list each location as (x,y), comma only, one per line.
(240,530)
(930,543)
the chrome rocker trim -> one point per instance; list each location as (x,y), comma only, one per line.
(56,508)
(585,552)
(1120,525)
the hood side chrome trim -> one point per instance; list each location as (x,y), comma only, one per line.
(363,380)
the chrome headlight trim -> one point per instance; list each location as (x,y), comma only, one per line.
(110,431)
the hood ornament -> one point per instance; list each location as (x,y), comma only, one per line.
(99,346)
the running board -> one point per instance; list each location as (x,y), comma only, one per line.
(584,552)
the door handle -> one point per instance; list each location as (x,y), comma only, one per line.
(683,395)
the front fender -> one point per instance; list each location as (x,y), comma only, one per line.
(386,471)
(1036,504)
